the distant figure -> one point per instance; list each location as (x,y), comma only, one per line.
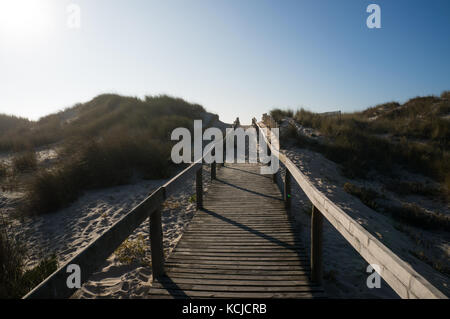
(236,122)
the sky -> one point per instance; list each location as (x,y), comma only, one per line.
(237,58)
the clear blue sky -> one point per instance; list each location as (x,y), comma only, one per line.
(236,58)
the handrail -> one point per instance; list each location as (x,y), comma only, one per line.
(90,258)
(397,273)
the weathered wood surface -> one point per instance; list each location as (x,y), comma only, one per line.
(241,244)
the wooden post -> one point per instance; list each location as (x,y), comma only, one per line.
(316,245)
(199,188)
(287,189)
(224,152)
(213,170)
(156,244)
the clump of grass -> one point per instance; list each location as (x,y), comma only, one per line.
(415,215)
(132,251)
(278,114)
(366,195)
(415,188)
(15,281)
(355,139)
(3,171)
(24,162)
(438,264)
(109,162)
(445,95)
(11,266)
(33,277)
(193,198)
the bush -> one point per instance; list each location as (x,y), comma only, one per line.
(24,162)
(133,251)
(15,281)
(33,277)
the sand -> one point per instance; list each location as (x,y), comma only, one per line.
(344,270)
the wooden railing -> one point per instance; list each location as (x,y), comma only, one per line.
(91,258)
(398,274)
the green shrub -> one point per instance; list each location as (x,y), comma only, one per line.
(133,251)
(33,277)
(15,281)
(11,266)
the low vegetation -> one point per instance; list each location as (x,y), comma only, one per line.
(24,161)
(415,188)
(417,216)
(104,142)
(415,135)
(279,114)
(15,280)
(133,251)
(408,213)
(367,196)
(107,141)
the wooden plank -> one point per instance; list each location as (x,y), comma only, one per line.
(199,188)
(240,282)
(240,245)
(233,288)
(219,294)
(267,279)
(243,272)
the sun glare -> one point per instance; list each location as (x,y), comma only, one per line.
(24,19)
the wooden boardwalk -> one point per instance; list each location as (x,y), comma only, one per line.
(240,245)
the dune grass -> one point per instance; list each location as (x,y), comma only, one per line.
(104,142)
(408,213)
(15,280)
(413,135)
